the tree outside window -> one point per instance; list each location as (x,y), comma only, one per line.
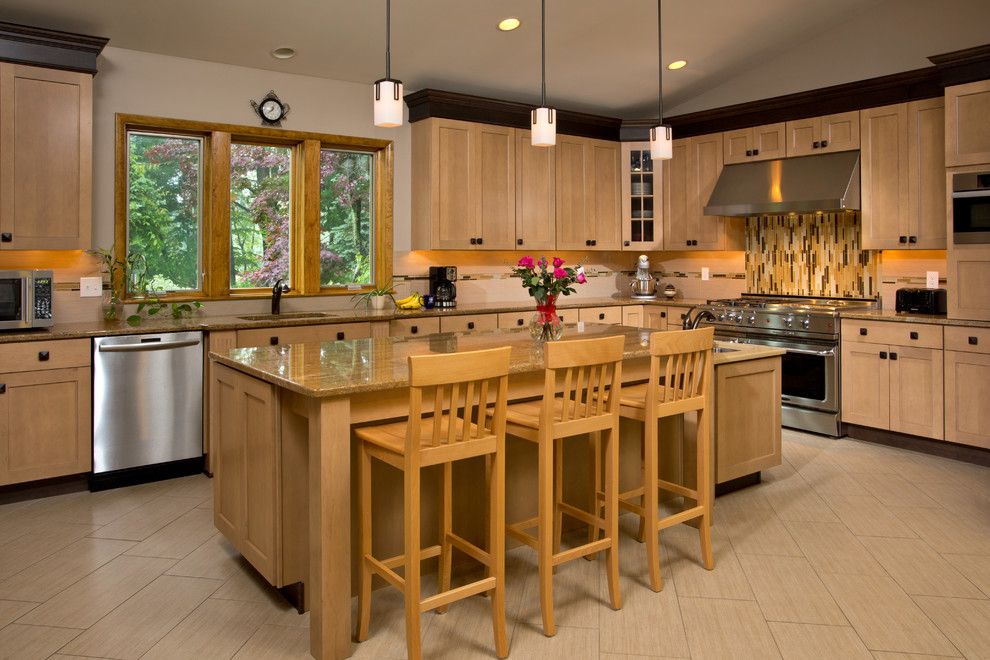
(346,218)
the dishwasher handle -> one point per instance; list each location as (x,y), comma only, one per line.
(148,346)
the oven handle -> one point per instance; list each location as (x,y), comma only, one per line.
(829,353)
(970,194)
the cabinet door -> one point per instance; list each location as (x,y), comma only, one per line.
(839,132)
(45,424)
(413,327)
(495,186)
(574,216)
(969,270)
(967,131)
(916,391)
(46,133)
(642,228)
(737,145)
(609,315)
(469,323)
(535,203)
(455,216)
(865,385)
(675,197)
(655,318)
(605,191)
(769,142)
(707,232)
(884,175)
(926,174)
(632,315)
(802,136)
(302,333)
(967,390)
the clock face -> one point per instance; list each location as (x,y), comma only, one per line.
(271,110)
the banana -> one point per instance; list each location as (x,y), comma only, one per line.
(413,297)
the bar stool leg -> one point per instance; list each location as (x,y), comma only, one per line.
(704,486)
(612,516)
(364,590)
(545,532)
(595,485)
(446,528)
(558,494)
(641,534)
(496,540)
(650,501)
(413,549)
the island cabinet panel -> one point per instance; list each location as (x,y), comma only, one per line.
(536,226)
(302,333)
(916,391)
(244,419)
(865,381)
(967,131)
(747,438)
(967,391)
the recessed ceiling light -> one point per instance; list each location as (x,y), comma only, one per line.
(284,53)
(677,64)
(508,24)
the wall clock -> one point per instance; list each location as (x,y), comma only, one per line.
(271,109)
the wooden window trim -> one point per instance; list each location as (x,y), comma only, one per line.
(305,208)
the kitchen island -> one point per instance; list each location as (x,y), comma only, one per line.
(281,419)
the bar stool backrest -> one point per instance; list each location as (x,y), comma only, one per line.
(584,371)
(680,366)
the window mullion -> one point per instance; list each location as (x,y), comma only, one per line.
(218,219)
(307,217)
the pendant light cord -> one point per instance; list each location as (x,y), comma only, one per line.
(388,39)
(543,52)
(660,61)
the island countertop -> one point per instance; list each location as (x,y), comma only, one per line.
(340,368)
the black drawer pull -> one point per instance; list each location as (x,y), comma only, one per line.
(587,243)
(883,355)
(273,341)
(893,356)
(414,329)
(594,242)
(474,241)
(973,341)
(519,321)
(863,331)
(519,241)
(824,143)
(340,336)
(816,144)
(688,243)
(480,241)
(694,242)
(3,388)
(914,335)
(912,239)
(601,316)
(6,237)
(561,317)
(625,243)
(749,152)
(663,315)
(902,239)
(470,325)
(43,356)
(756,152)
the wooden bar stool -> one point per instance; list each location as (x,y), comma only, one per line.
(583,371)
(459,429)
(680,382)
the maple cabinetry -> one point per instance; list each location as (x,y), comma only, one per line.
(967,130)
(755,143)
(46,134)
(642,225)
(967,386)
(536,224)
(822,135)
(587,194)
(302,333)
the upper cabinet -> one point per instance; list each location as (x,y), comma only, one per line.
(46,133)
(642,223)
(817,135)
(903,176)
(967,130)
(587,194)
(535,203)
(756,143)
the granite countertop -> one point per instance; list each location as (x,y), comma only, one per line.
(220,323)
(907,317)
(340,368)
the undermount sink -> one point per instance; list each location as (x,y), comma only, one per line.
(286,315)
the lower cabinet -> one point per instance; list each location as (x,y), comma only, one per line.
(469,322)
(413,327)
(509,320)
(916,404)
(967,386)
(610,315)
(865,385)
(302,333)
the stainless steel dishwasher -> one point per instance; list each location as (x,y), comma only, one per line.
(147,408)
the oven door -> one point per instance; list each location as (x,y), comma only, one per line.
(14,301)
(971,207)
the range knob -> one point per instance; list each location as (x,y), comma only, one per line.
(739,317)
(752,319)
(806,323)
(731,316)
(721,316)
(788,320)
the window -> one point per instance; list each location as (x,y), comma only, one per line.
(218,211)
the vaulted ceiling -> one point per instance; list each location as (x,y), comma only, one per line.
(601,55)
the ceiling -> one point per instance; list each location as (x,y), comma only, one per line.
(601,56)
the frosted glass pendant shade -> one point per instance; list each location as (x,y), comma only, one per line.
(387,95)
(543,127)
(661,143)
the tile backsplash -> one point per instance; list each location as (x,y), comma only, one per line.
(811,255)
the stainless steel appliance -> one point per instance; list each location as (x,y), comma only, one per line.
(26,299)
(808,329)
(147,407)
(442,286)
(644,285)
(971,207)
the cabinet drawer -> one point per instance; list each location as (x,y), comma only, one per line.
(896,333)
(611,315)
(36,355)
(413,327)
(302,333)
(469,322)
(509,320)
(968,340)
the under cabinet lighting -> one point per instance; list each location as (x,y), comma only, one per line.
(677,64)
(508,24)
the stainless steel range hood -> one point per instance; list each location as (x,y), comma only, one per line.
(825,182)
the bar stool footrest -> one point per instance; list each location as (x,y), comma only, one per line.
(385,572)
(583,516)
(581,551)
(469,549)
(398,560)
(458,593)
(682,517)
(677,489)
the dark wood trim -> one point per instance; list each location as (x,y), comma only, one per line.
(963,66)
(966,453)
(24,44)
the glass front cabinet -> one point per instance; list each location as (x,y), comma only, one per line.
(642,207)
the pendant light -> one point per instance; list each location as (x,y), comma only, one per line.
(661,144)
(543,120)
(388,92)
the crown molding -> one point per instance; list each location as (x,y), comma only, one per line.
(24,44)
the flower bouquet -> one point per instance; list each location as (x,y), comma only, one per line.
(546,280)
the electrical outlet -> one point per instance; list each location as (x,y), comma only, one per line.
(90,287)
(931,279)
(705,273)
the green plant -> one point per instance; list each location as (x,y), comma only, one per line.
(366,296)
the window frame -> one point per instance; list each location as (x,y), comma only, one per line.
(304,209)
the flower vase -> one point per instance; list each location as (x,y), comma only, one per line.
(546,325)
(112,307)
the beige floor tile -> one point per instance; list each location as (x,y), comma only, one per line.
(44,541)
(94,596)
(828,478)
(147,519)
(465,631)
(758,532)
(889,655)
(178,538)
(62,656)
(802,641)
(136,625)
(216,558)
(387,631)
(975,567)
(42,580)
(691,578)
(918,569)
(961,498)
(11,610)
(623,656)
(726,629)
(864,515)
(965,622)
(197,485)
(894,490)
(272,642)
(788,589)
(215,629)
(529,643)
(884,616)
(287,617)
(796,501)
(247,584)
(946,532)
(100,508)
(576,595)
(831,548)
(20,642)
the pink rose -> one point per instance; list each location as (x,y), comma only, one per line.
(581,279)
(559,273)
(526,262)
(557,262)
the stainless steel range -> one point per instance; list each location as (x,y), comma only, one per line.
(808,328)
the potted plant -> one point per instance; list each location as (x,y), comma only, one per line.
(375,297)
(546,280)
(117,272)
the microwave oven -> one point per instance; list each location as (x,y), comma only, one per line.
(25,299)
(971,207)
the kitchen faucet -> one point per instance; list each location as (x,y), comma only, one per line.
(692,324)
(277,292)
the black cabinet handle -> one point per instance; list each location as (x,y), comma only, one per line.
(913,335)
(824,143)
(902,239)
(688,243)
(694,242)
(663,315)
(863,331)
(893,356)
(601,316)
(340,336)
(480,241)
(749,152)
(474,241)
(594,242)
(3,388)
(414,329)
(519,241)
(470,325)
(883,355)
(273,341)
(519,321)
(43,356)
(625,243)
(6,237)
(756,152)
(912,239)
(816,144)
(973,341)
(587,243)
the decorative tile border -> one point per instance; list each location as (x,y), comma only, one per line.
(589,272)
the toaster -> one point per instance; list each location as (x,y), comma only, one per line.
(921,301)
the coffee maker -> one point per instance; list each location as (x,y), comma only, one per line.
(442,287)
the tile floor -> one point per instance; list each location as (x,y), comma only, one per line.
(847,550)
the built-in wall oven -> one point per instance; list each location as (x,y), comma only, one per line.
(971,207)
